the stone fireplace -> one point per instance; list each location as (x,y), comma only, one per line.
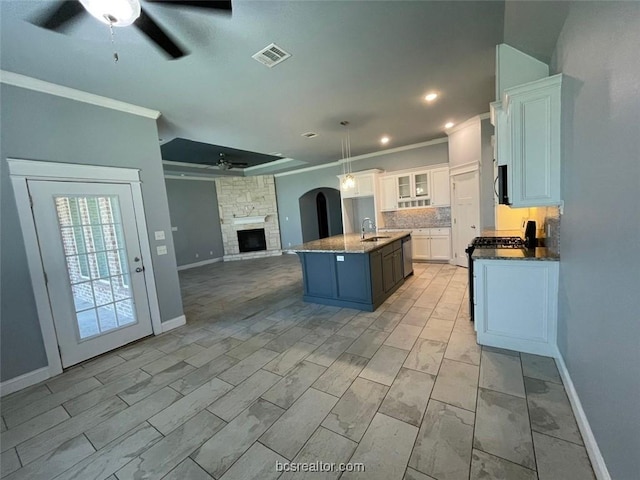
(248,204)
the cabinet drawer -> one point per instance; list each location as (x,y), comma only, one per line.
(387,249)
(440,231)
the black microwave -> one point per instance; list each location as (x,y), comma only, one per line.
(503,189)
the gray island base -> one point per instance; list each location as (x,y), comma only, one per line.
(345,271)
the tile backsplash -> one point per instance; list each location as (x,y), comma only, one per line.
(428,217)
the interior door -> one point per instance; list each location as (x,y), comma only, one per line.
(466,214)
(90,252)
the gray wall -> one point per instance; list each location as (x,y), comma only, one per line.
(309,213)
(193,206)
(599,305)
(37,126)
(290,187)
(487,177)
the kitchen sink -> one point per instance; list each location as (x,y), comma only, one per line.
(373,239)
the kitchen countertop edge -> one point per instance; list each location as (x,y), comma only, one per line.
(349,243)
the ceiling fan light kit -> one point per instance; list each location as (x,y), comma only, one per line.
(117,13)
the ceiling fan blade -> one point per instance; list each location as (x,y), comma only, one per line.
(224,5)
(60,15)
(151,29)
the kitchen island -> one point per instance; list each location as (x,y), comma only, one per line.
(346,271)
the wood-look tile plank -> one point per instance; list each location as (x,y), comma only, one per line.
(220,452)
(258,462)
(294,384)
(88,369)
(339,376)
(354,411)
(288,359)
(287,435)
(443,447)
(93,397)
(247,367)
(51,439)
(457,384)
(9,462)
(145,388)
(408,396)
(234,402)
(46,403)
(384,365)
(57,461)
(116,372)
(33,427)
(188,406)
(188,470)
(165,455)
(323,446)
(384,450)
(127,419)
(115,455)
(198,377)
(24,397)
(330,350)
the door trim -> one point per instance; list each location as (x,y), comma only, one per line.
(21,171)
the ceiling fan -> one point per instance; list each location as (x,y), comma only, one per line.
(224,164)
(121,13)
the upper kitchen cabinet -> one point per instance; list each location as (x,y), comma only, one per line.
(363,185)
(415,188)
(528,142)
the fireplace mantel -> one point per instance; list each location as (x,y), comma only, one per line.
(247,220)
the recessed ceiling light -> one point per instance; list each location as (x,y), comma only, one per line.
(430,97)
(449,125)
(384,140)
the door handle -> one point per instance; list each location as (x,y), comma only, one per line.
(139,269)
(473,226)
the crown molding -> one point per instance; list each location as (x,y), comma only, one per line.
(30,83)
(365,156)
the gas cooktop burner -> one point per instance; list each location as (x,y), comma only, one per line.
(498,242)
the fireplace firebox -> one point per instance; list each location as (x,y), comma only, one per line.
(252,240)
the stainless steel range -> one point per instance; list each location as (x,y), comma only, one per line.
(487,242)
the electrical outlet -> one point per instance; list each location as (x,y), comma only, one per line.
(161,249)
(159,235)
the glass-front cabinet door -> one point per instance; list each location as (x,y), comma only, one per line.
(422,184)
(404,186)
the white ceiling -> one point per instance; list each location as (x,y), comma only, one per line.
(368,62)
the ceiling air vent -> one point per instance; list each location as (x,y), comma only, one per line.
(309,135)
(271,55)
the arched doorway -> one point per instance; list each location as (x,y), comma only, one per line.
(320,214)
(323,215)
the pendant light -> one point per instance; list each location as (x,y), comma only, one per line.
(348,182)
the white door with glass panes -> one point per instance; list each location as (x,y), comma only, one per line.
(90,251)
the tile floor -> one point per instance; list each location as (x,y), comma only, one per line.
(258,377)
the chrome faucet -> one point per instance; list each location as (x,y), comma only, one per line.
(371,225)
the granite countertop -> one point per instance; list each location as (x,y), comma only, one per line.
(539,253)
(350,243)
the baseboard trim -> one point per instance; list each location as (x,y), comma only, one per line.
(174,323)
(200,264)
(24,381)
(597,460)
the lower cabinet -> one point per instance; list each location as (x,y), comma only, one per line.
(431,244)
(354,280)
(516,304)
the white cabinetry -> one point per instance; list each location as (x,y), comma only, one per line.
(533,118)
(516,304)
(415,188)
(388,194)
(431,243)
(363,186)
(440,192)
(527,140)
